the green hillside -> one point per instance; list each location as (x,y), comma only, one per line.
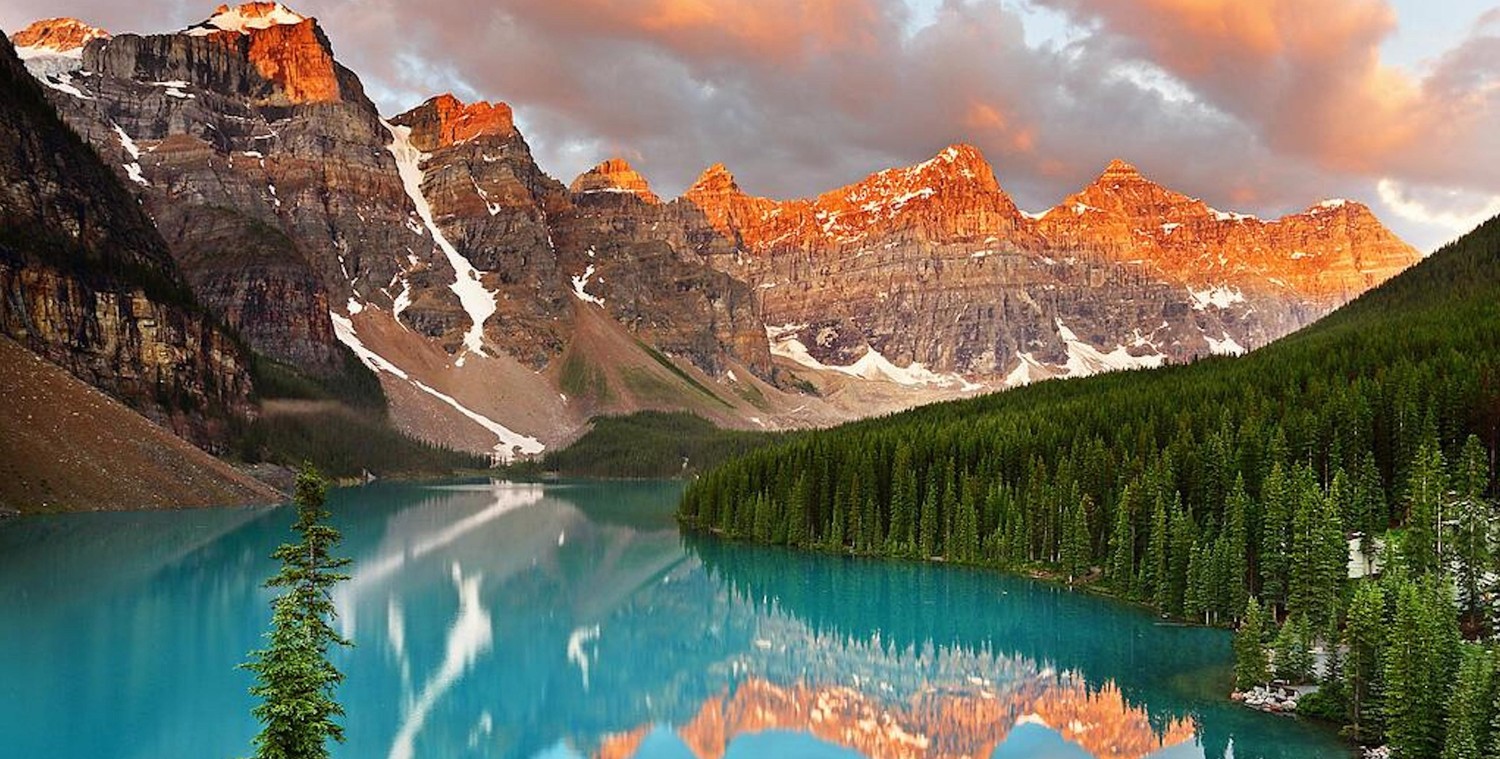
(1190,488)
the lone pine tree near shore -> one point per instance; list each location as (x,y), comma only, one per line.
(295,681)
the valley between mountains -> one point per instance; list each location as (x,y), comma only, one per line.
(275,247)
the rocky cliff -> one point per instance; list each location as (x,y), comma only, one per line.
(86,282)
(933,265)
(1323,256)
(254,154)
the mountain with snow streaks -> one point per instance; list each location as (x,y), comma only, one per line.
(502,309)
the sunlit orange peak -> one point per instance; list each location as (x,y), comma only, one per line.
(58,35)
(614,175)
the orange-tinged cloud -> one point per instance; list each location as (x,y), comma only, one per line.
(776,30)
(1307,76)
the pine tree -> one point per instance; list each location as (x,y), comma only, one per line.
(1474,515)
(1468,706)
(295,681)
(1364,635)
(1180,555)
(1121,565)
(1293,647)
(1197,599)
(1250,665)
(930,521)
(1156,569)
(797,533)
(1369,494)
(1236,547)
(966,526)
(903,503)
(1426,486)
(1416,676)
(1275,539)
(1075,541)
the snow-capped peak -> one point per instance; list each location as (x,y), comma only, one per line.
(55,36)
(245,17)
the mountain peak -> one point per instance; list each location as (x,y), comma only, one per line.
(1120,168)
(1344,205)
(246,17)
(959,158)
(285,46)
(62,35)
(614,175)
(716,178)
(445,120)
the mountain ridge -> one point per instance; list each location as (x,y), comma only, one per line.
(911,284)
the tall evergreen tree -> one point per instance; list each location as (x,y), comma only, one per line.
(1293,647)
(1369,495)
(1364,636)
(1236,547)
(903,502)
(295,681)
(797,532)
(1469,706)
(1473,531)
(930,521)
(1121,565)
(1250,664)
(1075,542)
(1416,671)
(1156,569)
(1276,536)
(1425,490)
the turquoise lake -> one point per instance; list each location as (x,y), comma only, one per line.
(508,620)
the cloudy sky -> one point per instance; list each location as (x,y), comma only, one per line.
(1263,106)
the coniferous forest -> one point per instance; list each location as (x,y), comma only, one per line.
(1232,491)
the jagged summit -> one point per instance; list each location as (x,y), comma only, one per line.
(959,162)
(958,168)
(58,36)
(716,178)
(614,175)
(245,17)
(445,120)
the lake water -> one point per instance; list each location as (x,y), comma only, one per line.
(501,620)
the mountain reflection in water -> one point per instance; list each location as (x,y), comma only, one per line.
(569,620)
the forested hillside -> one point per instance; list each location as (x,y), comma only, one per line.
(1197,488)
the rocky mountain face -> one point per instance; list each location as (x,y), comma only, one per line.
(86,282)
(1325,255)
(935,265)
(57,35)
(493,298)
(258,159)
(285,198)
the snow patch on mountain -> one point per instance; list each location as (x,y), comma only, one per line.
(1224,347)
(510,442)
(246,17)
(871,366)
(477,301)
(1028,371)
(580,281)
(1219,296)
(132,167)
(1232,216)
(1084,359)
